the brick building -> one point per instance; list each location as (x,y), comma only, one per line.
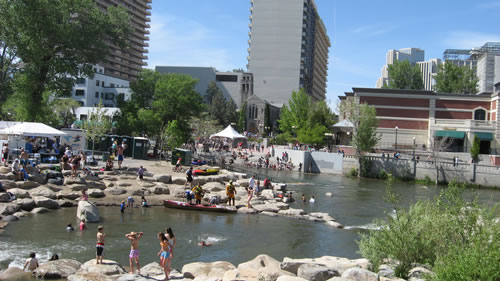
(410,118)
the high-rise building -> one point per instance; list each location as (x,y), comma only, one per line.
(127,63)
(288,49)
(429,69)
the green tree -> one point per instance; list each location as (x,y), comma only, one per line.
(8,65)
(97,124)
(176,134)
(452,78)
(222,110)
(64,110)
(267,119)
(242,117)
(231,114)
(474,151)
(294,116)
(212,91)
(404,76)
(57,40)
(203,125)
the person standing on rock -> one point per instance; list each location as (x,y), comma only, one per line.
(171,237)
(120,155)
(230,192)
(100,244)
(164,253)
(134,250)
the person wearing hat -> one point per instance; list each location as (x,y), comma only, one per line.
(231,192)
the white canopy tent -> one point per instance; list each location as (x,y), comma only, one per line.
(31,129)
(229,133)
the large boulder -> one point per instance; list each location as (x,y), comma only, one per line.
(39,178)
(139,192)
(261,265)
(152,269)
(316,272)
(267,194)
(27,184)
(65,203)
(123,183)
(116,190)
(20,193)
(108,267)
(134,277)
(160,190)
(334,224)
(43,191)
(10,218)
(4,170)
(164,178)
(15,274)
(66,194)
(78,187)
(40,210)
(56,181)
(58,269)
(339,264)
(45,202)
(267,208)
(73,181)
(214,186)
(8,208)
(87,211)
(96,185)
(246,210)
(25,204)
(7,184)
(292,212)
(4,197)
(95,193)
(359,274)
(179,180)
(290,278)
(419,272)
(213,269)
(90,276)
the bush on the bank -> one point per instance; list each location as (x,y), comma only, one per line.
(382,175)
(433,233)
(353,172)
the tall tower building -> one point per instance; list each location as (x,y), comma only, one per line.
(288,49)
(127,63)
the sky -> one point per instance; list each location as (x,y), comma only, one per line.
(215,33)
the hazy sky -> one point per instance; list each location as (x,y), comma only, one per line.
(215,33)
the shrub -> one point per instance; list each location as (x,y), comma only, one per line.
(437,232)
(366,165)
(353,172)
(382,175)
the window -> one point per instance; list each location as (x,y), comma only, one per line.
(226,78)
(102,83)
(112,85)
(97,83)
(109,96)
(83,117)
(80,80)
(480,114)
(96,95)
(79,92)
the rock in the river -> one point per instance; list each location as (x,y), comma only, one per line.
(65,203)
(334,224)
(160,190)
(45,202)
(266,208)
(10,218)
(316,272)
(359,274)
(90,276)
(58,269)
(419,272)
(213,269)
(262,265)
(292,212)
(95,193)
(267,193)
(43,191)
(8,208)
(40,210)
(246,210)
(164,178)
(26,204)
(66,194)
(15,274)
(108,267)
(87,211)
(19,193)
(152,269)
(328,194)
(337,263)
(271,214)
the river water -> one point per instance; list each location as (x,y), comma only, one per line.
(235,238)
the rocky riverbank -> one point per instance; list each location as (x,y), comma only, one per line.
(262,267)
(48,190)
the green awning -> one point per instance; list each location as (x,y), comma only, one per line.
(450,134)
(484,136)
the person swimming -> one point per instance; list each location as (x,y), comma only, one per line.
(204,244)
(69,227)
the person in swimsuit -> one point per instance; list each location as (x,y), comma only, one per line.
(100,244)
(171,237)
(134,250)
(164,253)
(204,244)
(31,263)
(82,225)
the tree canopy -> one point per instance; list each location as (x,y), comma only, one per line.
(404,76)
(57,41)
(456,79)
(222,110)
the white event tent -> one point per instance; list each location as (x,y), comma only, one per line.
(229,133)
(31,129)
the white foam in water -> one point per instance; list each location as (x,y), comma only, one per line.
(212,239)
(369,226)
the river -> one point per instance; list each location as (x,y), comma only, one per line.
(235,238)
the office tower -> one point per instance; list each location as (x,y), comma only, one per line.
(288,49)
(412,55)
(429,70)
(127,63)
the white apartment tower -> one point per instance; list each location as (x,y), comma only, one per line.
(288,49)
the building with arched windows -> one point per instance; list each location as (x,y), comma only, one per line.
(411,118)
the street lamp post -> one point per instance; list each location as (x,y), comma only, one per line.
(414,159)
(396,143)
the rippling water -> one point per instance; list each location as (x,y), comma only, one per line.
(235,238)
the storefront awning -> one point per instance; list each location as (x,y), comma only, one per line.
(484,136)
(450,134)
